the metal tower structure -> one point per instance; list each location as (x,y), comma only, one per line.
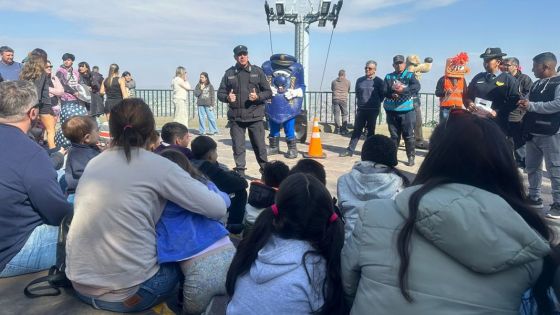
(302,20)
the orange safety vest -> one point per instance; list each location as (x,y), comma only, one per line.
(454,97)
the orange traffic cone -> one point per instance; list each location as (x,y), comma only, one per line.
(315,147)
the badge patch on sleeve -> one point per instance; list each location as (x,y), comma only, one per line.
(498,83)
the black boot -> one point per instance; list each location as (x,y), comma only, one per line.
(344,129)
(336,130)
(292,149)
(410,151)
(273,148)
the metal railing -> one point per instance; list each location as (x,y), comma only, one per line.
(318,104)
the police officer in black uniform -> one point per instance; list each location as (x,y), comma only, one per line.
(245,88)
(502,90)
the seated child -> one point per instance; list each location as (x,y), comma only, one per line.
(82,133)
(317,170)
(175,135)
(290,263)
(262,193)
(374,177)
(200,245)
(205,153)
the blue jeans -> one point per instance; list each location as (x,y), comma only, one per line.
(38,253)
(203,112)
(150,293)
(289,128)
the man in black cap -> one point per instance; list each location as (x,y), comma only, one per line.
(498,93)
(245,88)
(401,87)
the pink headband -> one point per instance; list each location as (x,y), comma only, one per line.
(126,127)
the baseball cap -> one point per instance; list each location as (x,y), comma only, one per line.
(398,59)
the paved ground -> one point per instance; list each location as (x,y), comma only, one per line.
(13,301)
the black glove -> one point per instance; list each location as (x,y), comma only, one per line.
(428,60)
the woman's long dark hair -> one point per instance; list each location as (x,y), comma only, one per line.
(131,125)
(472,151)
(304,208)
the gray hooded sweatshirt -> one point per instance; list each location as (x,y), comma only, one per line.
(366,181)
(277,282)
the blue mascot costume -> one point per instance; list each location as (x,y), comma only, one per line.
(285,76)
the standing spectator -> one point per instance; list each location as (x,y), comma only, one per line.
(34,71)
(85,82)
(245,88)
(414,65)
(370,92)
(9,69)
(114,88)
(32,201)
(374,177)
(515,118)
(204,91)
(462,240)
(180,86)
(130,84)
(95,69)
(542,124)
(111,246)
(96,108)
(340,88)
(501,90)
(55,89)
(69,77)
(402,86)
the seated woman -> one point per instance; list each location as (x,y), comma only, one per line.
(111,246)
(462,240)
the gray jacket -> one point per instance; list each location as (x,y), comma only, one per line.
(471,253)
(278,283)
(366,181)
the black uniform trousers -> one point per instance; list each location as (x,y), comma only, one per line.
(402,124)
(256,136)
(364,118)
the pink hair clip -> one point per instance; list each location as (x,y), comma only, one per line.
(126,127)
(274,208)
(333,217)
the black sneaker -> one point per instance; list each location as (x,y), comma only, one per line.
(554,211)
(240,171)
(410,161)
(535,202)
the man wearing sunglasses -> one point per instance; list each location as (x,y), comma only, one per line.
(370,91)
(245,89)
(402,86)
(32,201)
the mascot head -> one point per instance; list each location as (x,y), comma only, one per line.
(456,67)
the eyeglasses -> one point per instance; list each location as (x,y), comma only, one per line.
(48,67)
(369,68)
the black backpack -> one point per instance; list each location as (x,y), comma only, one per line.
(50,285)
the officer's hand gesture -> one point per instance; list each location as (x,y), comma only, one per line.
(231,97)
(253,95)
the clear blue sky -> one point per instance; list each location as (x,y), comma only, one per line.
(151,39)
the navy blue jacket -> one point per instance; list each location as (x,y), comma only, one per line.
(78,157)
(370,93)
(29,192)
